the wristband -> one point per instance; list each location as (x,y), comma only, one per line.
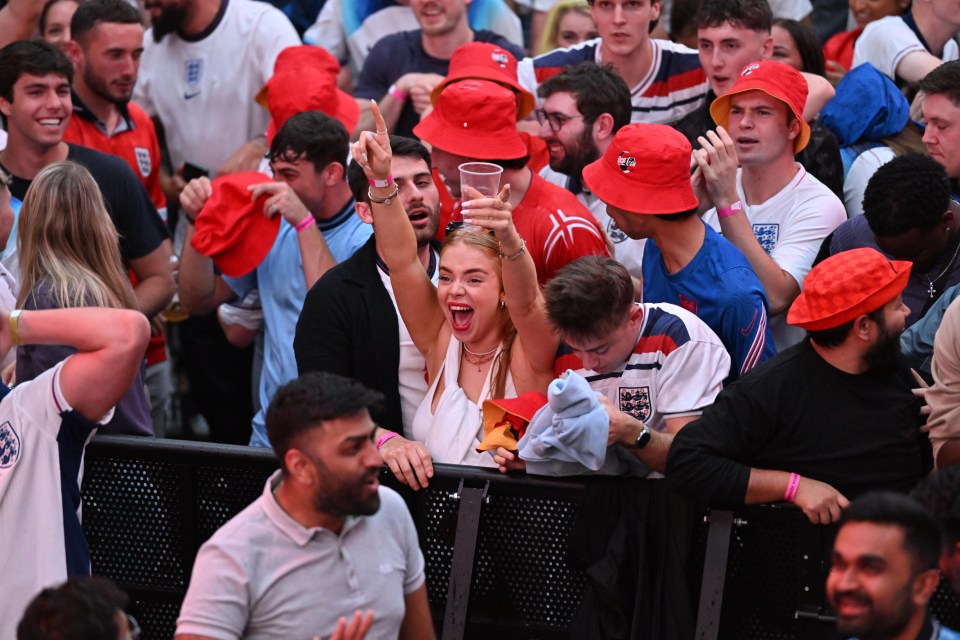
(515,256)
(397,93)
(388,199)
(386,182)
(792,485)
(382,440)
(13,322)
(729,210)
(306,222)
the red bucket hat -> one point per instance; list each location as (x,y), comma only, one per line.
(505,421)
(474,119)
(231,228)
(775,79)
(305,79)
(485,61)
(845,286)
(646,169)
(297,58)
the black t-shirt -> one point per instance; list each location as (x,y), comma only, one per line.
(797,413)
(128,203)
(401,53)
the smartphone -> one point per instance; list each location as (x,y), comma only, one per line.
(193,171)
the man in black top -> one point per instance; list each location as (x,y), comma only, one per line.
(35,103)
(349,323)
(826,420)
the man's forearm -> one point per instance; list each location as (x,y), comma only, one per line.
(198,280)
(766,485)
(780,287)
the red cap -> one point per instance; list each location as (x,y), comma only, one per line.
(305,79)
(775,79)
(506,420)
(646,170)
(231,229)
(485,61)
(474,119)
(847,285)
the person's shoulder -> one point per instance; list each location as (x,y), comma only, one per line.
(352,269)
(102,166)
(675,325)
(677,58)
(582,52)
(852,234)
(250,526)
(392,512)
(400,41)
(884,26)
(490,37)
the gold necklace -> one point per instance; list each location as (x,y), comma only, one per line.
(486,356)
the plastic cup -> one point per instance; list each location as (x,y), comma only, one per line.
(482,176)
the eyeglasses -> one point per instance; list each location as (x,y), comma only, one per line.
(556,120)
(133,629)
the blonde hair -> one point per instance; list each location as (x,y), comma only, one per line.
(67,240)
(548,41)
(508,333)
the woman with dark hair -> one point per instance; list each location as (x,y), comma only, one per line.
(795,44)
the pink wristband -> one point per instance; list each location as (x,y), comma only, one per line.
(386,182)
(306,222)
(730,209)
(385,438)
(792,485)
(397,93)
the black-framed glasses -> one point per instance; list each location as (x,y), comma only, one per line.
(556,120)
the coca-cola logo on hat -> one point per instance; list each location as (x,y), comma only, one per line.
(626,161)
(500,57)
(750,69)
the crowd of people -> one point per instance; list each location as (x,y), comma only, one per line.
(722,256)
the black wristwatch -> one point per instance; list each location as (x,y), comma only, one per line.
(643,439)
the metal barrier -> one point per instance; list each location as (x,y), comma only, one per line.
(496,547)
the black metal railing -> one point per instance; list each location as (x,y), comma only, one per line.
(497,547)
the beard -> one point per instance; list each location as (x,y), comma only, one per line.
(879,624)
(884,354)
(102,89)
(168,21)
(342,497)
(574,160)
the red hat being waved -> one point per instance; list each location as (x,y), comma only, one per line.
(847,285)
(474,119)
(646,170)
(485,61)
(231,228)
(775,79)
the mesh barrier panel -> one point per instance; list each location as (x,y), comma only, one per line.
(223,492)
(133,512)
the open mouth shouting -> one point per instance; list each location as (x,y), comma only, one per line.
(461,316)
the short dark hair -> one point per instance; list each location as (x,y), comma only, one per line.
(589,297)
(678,216)
(944,79)
(749,14)
(79,609)
(909,192)
(90,13)
(939,493)
(808,45)
(835,336)
(305,403)
(402,148)
(922,534)
(598,89)
(313,136)
(34,57)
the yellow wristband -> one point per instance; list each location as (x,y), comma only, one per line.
(14,323)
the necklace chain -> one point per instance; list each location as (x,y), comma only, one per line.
(930,289)
(481,357)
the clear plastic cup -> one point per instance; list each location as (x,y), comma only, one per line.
(482,176)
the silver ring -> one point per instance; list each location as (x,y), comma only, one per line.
(382,133)
(274,208)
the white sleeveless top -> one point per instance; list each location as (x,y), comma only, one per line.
(453,433)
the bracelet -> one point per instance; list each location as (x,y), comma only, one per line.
(386,182)
(397,93)
(306,222)
(382,440)
(792,485)
(13,322)
(386,200)
(729,210)
(513,258)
